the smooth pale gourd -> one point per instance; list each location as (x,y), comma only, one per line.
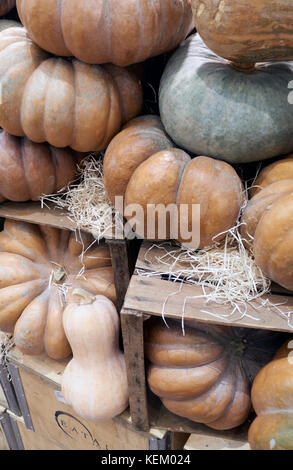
(122,32)
(66,103)
(94,382)
(38,264)
(272,398)
(209,107)
(246,31)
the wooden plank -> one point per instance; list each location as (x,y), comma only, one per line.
(132,332)
(173,299)
(120,263)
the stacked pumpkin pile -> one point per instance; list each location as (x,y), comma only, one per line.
(67,88)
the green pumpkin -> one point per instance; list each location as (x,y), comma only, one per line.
(210,108)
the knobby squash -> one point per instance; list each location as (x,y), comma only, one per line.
(64,102)
(272,398)
(94,382)
(102,31)
(29,170)
(209,107)
(39,264)
(142,165)
(6,6)
(246,31)
(205,375)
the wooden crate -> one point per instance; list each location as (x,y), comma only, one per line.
(123,250)
(150,293)
(3,440)
(37,384)
(207,442)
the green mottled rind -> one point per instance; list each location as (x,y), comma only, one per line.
(210,108)
(272,432)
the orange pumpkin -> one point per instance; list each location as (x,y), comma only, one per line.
(272,398)
(63,102)
(205,374)
(142,165)
(6,6)
(246,31)
(29,170)
(102,31)
(38,265)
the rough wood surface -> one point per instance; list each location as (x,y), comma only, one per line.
(205,442)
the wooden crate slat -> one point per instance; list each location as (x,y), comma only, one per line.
(151,295)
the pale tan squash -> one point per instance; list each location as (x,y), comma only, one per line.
(94,382)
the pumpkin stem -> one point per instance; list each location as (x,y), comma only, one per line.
(59,273)
(241,67)
(85,296)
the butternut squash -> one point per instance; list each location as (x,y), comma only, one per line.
(94,382)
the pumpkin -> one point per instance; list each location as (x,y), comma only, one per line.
(246,31)
(209,107)
(6,6)
(38,265)
(281,169)
(142,165)
(102,31)
(29,170)
(94,382)
(272,398)
(63,102)
(205,375)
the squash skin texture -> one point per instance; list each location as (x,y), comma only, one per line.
(6,6)
(36,262)
(273,404)
(277,171)
(29,170)
(201,96)
(103,31)
(143,166)
(202,375)
(94,382)
(266,36)
(66,103)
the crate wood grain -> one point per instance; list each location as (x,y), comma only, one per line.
(3,440)
(207,442)
(53,419)
(151,293)
(123,250)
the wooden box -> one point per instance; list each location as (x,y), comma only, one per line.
(37,384)
(124,250)
(151,293)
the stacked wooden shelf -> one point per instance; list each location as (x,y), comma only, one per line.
(151,294)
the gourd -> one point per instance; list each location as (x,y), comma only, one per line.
(142,165)
(103,31)
(272,398)
(210,107)
(64,102)
(94,382)
(205,375)
(29,170)
(266,222)
(39,264)
(246,31)
(6,6)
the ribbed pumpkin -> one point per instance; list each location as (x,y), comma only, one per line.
(29,170)
(272,398)
(38,265)
(209,107)
(205,375)
(246,31)
(267,222)
(102,31)
(142,165)
(63,102)
(6,6)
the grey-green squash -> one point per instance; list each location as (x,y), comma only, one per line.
(209,107)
